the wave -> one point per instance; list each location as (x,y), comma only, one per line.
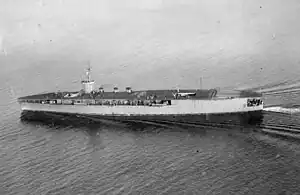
(277,87)
(269,86)
(280,109)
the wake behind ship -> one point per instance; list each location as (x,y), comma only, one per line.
(184,105)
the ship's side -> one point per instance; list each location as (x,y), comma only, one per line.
(195,110)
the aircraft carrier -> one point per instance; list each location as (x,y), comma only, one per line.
(180,105)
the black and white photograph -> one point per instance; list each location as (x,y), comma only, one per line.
(149,97)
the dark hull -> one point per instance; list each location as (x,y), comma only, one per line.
(228,119)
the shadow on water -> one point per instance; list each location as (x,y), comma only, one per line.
(63,121)
(92,125)
(97,131)
(278,125)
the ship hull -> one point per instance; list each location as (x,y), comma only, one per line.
(230,111)
(226,119)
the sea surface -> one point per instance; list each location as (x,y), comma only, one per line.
(74,158)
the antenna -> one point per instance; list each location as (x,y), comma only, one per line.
(88,72)
(89,65)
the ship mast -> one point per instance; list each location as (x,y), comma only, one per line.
(88,73)
(88,84)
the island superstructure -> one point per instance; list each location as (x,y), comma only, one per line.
(148,105)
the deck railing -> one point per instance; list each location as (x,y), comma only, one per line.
(107,102)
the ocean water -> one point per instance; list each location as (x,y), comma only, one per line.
(73,158)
